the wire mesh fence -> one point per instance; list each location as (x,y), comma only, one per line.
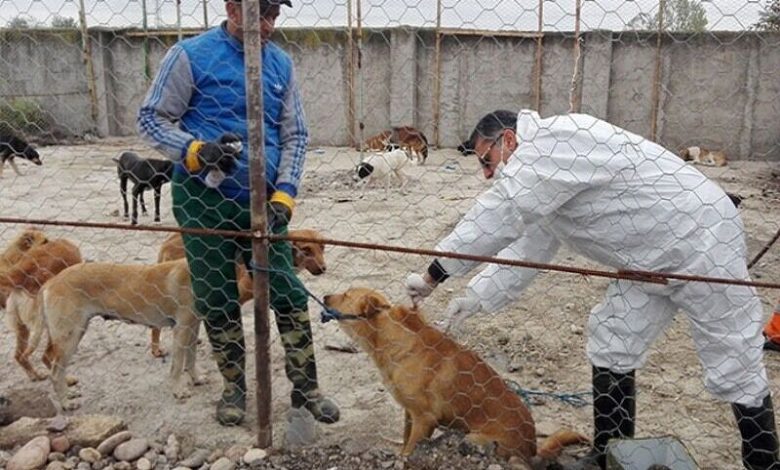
(384,154)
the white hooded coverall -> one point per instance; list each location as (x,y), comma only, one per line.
(628,203)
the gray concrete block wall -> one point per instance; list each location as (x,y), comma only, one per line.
(718,90)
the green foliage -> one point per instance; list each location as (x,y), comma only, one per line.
(62,22)
(20,22)
(770,17)
(25,116)
(679,15)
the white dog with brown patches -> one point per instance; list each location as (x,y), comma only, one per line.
(383,166)
(703,156)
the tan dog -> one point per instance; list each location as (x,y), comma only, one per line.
(21,284)
(306,255)
(408,138)
(157,295)
(438,382)
(702,156)
(13,253)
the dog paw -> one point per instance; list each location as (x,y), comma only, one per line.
(181,392)
(36,376)
(73,394)
(200,380)
(71,380)
(159,352)
(70,405)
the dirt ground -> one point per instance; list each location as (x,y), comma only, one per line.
(538,342)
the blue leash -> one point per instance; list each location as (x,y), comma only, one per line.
(327,313)
(573,399)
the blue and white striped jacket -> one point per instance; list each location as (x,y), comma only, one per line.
(199,93)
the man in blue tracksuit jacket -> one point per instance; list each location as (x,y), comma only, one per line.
(195,113)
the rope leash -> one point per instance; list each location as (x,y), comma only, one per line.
(327,313)
(574,399)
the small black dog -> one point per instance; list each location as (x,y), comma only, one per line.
(11,147)
(145,173)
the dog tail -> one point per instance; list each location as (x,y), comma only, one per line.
(37,326)
(552,446)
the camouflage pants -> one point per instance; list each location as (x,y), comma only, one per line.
(212,262)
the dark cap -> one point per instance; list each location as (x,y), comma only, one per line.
(268,2)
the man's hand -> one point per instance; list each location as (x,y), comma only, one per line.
(457,312)
(418,288)
(280,208)
(221,154)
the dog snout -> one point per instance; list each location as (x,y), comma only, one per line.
(327,299)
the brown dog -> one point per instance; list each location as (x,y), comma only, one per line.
(306,255)
(153,295)
(438,382)
(408,138)
(702,156)
(21,284)
(16,249)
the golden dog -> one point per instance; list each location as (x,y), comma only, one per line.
(26,240)
(21,284)
(438,382)
(408,138)
(306,255)
(156,296)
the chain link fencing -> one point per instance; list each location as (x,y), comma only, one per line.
(620,233)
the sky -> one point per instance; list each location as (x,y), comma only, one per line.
(522,15)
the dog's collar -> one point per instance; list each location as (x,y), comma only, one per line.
(329,314)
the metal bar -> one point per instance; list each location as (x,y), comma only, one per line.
(437,77)
(205,15)
(538,68)
(764,250)
(656,97)
(178,18)
(86,49)
(254,100)
(147,65)
(350,78)
(650,276)
(574,92)
(359,19)
(489,33)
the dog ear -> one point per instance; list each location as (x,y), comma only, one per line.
(373,304)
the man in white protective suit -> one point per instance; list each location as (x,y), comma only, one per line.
(630,204)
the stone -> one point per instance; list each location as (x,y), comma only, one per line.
(123,466)
(215,455)
(56,457)
(495,466)
(131,450)
(143,464)
(234,453)
(108,445)
(82,430)
(254,456)
(223,463)
(301,428)
(56,465)
(57,424)
(172,448)
(31,456)
(84,466)
(89,454)
(196,459)
(25,402)
(60,444)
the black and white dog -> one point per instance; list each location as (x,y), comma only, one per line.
(11,147)
(145,173)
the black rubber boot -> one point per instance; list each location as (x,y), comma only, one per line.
(759,435)
(614,410)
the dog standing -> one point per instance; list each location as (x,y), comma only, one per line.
(439,382)
(408,138)
(308,255)
(11,147)
(155,295)
(21,284)
(145,173)
(383,166)
(703,156)
(28,239)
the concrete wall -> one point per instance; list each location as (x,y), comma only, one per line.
(719,90)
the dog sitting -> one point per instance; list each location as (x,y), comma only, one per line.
(306,255)
(384,166)
(21,284)
(408,138)
(28,239)
(11,147)
(702,156)
(145,173)
(157,295)
(438,382)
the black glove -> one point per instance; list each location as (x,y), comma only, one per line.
(279,215)
(221,154)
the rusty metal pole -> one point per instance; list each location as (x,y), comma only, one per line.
(353,142)
(205,15)
(574,93)
(86,46)
(361,124)
(656,98)
(254,101)
(437,77)
(538,68)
